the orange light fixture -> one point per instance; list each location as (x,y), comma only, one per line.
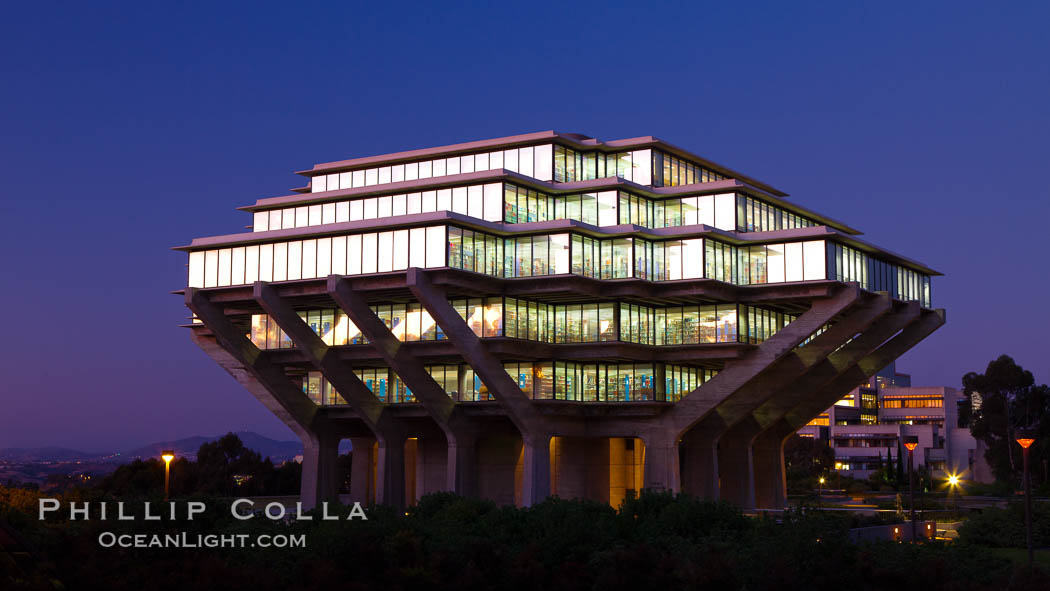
(1025,437)
(911,442)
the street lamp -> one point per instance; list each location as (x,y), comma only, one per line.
(1025,438)
(820,490)
(167,455)
(911,442)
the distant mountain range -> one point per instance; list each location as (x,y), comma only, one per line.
(186,447)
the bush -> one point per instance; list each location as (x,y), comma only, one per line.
(448,542)
(1004,528)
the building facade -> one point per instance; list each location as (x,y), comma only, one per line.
(865,427)
(548,314)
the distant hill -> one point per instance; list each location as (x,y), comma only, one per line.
(186,447)
(45,454)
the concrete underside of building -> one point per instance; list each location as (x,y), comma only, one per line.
(724,440)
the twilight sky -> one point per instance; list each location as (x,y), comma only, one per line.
(125,130)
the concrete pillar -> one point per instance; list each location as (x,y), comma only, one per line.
(736,480)
(536,469)
(320,480)
(461,465)
(662,463)
(498,468)
(699,466)
(412,467)
(767,453)
(621,470)
(390,476)
(362,485)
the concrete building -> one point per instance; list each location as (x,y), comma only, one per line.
(869,422)
(549,314)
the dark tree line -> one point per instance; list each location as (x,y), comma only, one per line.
(223,468)
(1009,399)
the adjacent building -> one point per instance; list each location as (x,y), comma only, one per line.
(865,427)
(548,313)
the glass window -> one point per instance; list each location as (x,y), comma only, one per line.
(793,262)
(280,261)
(385,252)
(436,246)
(814,258)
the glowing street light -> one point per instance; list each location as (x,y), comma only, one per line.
(167,455)
(911,442)
(1025,438)
(820,490)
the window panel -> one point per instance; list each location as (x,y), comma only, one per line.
(436,247)
(369,252)
(295,260)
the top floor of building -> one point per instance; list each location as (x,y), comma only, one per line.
(537,177)
(544,156)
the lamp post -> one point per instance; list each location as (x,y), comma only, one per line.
(167,455)
(911,442)
(953,481)
(820,490)
(1025,438)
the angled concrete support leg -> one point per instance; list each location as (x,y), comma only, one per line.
(536,438)
(536,469)
(320,481)
(458,430)
(911,335)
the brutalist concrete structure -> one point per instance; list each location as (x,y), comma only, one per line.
(548,314)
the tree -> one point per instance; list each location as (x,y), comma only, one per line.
(1009,399)
(805,457)
(900,463)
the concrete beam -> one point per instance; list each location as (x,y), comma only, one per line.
(337,372)
(764,428)
(929,321)
(388,432)
(486,365)
(534,429)
(279,394)
(458,429)
(272,387)
(793,394)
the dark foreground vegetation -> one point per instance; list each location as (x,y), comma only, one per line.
(446,542)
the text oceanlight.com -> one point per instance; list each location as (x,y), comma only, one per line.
(184,540)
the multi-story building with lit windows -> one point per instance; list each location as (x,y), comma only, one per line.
(548,314)
(866,426)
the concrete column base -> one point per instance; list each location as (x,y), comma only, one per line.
(699,466)
(320,481)
(536,469)
(390,473)
(736,473)
(767,453)
(362,471)
(662,469)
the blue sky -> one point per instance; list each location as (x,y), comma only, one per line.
(127,129)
